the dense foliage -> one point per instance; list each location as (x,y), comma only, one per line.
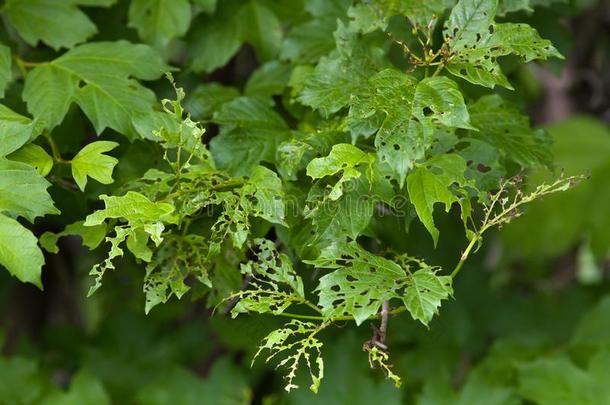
(303,167)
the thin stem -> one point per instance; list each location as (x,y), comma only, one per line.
(55,150)
(465,255)
(383,328)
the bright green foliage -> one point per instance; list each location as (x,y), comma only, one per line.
(362,281)
(287,185)
(90,161)
(474,42)
(343,158)
(433,182)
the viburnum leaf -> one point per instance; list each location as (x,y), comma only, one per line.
(19,251)
(268,80)
(501,125)
(207,98)
(91,236)
(408,126)
(274,284)
(297,341)
(46,21)
(260,27)
(176,259)
(433,182)
(343,158)
(159,21)
(98,77)
(15,130)
(215,39)
(90,161)
(424,293)
(34,155)
(359,284)
(361,281)
(418,12)
(135,208)
(5,68)
(23,192)
(476,42)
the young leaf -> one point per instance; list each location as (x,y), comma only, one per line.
(135,208)
(19,251)
(432,182)
(92,162)
(343,158)
(424,294)
(408,126)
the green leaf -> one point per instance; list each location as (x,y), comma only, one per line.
(469,19)
(178,258)
(46,21)
(266,188)
(35,156)
(207,98)
(15,130)
(134,207)
(260,27)
(5,68)
(503,126)
(343,158)
(432,183)
(84,388)
(425,292)
(19,252)
(159,21)
(557,380)
(91,161)
(268,80)
(476,42)
(98,77)
(407,129)
(249,113)
(91,236)
(362,281)
(23,192)
(360,284)
(215,40)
